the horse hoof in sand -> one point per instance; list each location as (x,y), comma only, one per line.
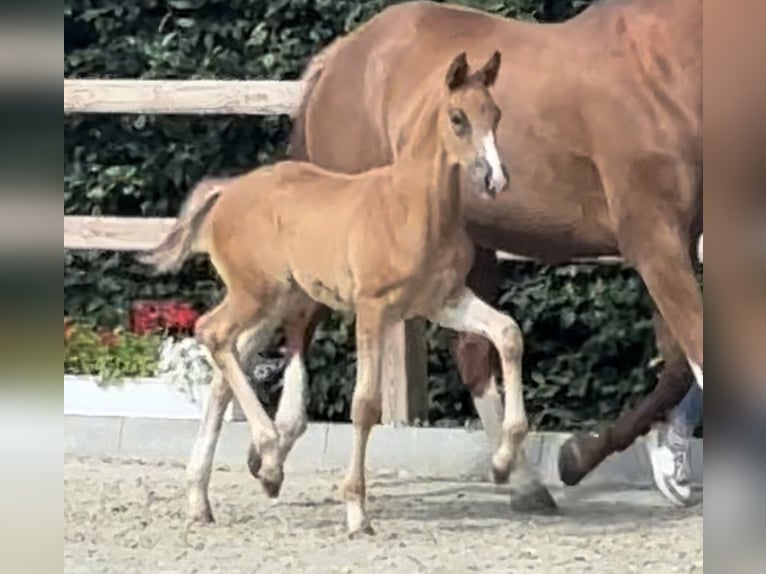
(534,499)
(580,454)
(366,530)
(271,481)
(203,516)
(500,475)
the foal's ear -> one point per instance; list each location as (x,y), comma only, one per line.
(458,72)
(488,74)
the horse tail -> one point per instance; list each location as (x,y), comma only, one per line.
(179,243)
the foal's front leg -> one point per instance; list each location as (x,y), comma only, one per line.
(468,313)
(366,410)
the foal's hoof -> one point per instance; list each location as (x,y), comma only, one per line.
(366,530)
(272,482)
(202,516)
(534,499)
(254,461)
(579,455)
(500,475)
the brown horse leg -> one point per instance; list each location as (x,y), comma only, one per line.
(476,357)
(655,238)
(584,451)
(653,221)
(651,236)
(300,323)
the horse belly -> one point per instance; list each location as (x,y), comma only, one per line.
(554,210)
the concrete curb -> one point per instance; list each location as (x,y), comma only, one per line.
(434,452)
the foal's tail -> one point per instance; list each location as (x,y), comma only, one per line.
(178,244)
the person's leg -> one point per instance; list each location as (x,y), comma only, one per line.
(687,415)
(669,449)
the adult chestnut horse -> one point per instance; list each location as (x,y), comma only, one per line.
(602,138)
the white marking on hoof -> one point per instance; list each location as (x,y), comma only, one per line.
(357,518)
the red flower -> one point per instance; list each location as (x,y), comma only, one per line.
(154,316)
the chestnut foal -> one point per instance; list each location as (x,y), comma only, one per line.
(387,244)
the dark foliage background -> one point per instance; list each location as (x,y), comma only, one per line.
(588,328)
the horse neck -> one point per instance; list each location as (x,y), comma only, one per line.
(427,179)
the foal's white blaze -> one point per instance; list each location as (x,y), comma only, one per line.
(497,177)
(697,370)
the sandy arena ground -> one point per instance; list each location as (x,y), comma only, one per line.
(129,516)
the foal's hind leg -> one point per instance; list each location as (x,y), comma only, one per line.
(469,313)
(301,320)
(201,461)
(291,419)
(219,332)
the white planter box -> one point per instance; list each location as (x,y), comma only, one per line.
(143,398)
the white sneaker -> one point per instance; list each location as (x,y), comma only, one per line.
(670,457)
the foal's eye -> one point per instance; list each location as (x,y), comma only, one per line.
(459,122)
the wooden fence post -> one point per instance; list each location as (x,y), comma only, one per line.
(405,373)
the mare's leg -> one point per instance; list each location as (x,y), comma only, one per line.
(220,331)
(469,313)
(652,202)
(474,354)
(584,451)
(300,323)
(366,409)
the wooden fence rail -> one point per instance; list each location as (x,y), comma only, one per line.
(405,376)
(255,98)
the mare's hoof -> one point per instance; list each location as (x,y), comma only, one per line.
(535,499)
(254,461)
(579,455)
(366,530)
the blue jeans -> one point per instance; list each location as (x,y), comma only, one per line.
(688,413)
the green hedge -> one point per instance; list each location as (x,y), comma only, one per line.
(588,333)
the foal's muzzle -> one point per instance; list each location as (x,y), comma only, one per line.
(491,181)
